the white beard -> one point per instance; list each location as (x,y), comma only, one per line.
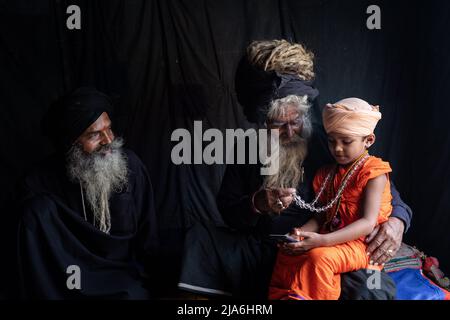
(291,157)
(100,175)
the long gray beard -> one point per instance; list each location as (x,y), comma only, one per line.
(291,158)
(100,175)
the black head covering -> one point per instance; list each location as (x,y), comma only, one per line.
(290,84)
(256,88)
(71,115)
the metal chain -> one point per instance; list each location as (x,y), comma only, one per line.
(311,206)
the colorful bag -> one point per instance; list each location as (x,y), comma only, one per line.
(409,270)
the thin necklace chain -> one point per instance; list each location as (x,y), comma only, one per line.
(84,207)
(82,201)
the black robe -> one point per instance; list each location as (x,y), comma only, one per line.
(237,260)
(53,235)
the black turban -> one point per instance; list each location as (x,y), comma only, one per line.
(289,84)
(71,115)
(256,88)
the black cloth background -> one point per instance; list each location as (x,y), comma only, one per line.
(174,61)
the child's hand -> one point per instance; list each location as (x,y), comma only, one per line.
(310,240)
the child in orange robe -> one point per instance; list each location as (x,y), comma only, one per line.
(334,239)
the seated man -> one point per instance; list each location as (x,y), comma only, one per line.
(87,227)
(238,260)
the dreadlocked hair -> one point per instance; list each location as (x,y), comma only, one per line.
(283,57)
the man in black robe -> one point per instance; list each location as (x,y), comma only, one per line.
(87,227)
(237,260)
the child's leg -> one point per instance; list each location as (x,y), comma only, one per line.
(283,276)
(316,274)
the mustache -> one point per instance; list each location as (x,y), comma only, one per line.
(293,142)
(114,145)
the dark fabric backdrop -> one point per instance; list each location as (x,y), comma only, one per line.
(170,62)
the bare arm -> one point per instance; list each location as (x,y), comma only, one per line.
(364,225)
(385,240)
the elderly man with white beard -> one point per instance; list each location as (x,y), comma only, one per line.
(88,226)
(236,260)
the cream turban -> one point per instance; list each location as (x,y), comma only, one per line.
(351,116)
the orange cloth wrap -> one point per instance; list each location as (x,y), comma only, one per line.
(351,116)
(316,273)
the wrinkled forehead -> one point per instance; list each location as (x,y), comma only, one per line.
(286,112)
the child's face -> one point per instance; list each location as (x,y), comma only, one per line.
(346,149)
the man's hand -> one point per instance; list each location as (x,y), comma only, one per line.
(385,240)
(308,241)
(274,200)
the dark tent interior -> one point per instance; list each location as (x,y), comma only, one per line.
(168,63)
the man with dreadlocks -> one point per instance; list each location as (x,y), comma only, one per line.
(87,228)
(274,84)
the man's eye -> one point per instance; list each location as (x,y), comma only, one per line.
(93,135)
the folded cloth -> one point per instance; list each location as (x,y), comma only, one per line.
(406,257)
(413,285)
(409,269)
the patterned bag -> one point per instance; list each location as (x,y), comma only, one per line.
(412,258)
(406,257)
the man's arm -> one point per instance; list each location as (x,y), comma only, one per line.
(235,198)
(400,209)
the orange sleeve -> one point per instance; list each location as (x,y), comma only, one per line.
(373,168)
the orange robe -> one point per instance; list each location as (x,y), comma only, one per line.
(315,274)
